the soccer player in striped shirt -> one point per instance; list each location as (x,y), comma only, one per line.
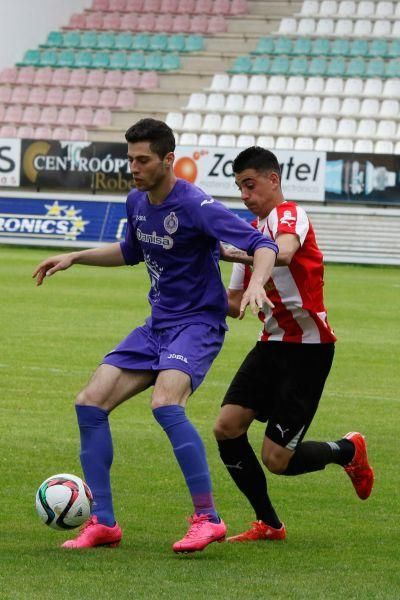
(281,380)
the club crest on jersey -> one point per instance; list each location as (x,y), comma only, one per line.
(287,218)
(171,223)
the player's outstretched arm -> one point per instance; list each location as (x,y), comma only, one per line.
(109,255)
(255,296)
(231,254)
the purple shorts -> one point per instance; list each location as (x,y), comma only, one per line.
(189,348)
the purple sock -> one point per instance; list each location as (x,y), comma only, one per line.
(96,459)
(190,453)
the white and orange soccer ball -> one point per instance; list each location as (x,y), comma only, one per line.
(64,501)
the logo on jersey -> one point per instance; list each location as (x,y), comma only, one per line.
(287,219)
(152,238)
(207,201)
(171,223)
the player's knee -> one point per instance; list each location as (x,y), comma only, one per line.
(160,399)
(275,462)
(86,397)
(226,430)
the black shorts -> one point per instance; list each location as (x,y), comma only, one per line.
(282,382)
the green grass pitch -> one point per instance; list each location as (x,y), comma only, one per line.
(337,547)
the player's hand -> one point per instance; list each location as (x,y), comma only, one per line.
(50,266)
(255,297)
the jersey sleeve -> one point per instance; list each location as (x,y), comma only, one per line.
(130,247)
(217,221)
(288,218)
(237,277)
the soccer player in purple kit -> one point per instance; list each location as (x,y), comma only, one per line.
(175,228)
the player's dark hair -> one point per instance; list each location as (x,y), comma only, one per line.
(257,158)
(158,133)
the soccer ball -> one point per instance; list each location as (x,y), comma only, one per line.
(64,501)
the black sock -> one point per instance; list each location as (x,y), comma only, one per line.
(242,464)
(314,456)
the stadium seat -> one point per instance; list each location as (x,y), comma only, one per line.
(336,67)
(123,41)
(174,120)
(373,87)
(54,96)
(125,99)
(311,105)
(386,129)
(43,132)
(282,45)
(391,88)
(353,86)
(344,145)
(350,107)
(288,125)
(197,101)
(384,147)
(245,141)
(212,122)
(101,60)
(186,6)
(66,116)
(177,43)
(19,94)
(61,133)
(149,80)
(257,83)
(134,60)
(83,59)
(72,97)
(262,64)
(382,28)
(48,58)
(378,48)
(347,8)
(392,68)
(298,66)
(355,67)
(220,82)
(31,115)
(241,64)
(48,115)
(265,141)
(102,118)
(234,103)
(369,107)
(238,83)
(207,139)
(343,28)
(362,28)
(253,103)
(389,109)
(272,104)
(105,41)
(215,102)
(284,142)
(88,40)
(288,26)
(327,127)
(334,86)
(279,65)
(301,46)
(107,98)
(314,86)
(129,22)
(199,24)
(303,143)
(375,68)
(238,7)
(320,47)
(305,26)
(328,8)
(170,62)
(265,45)
(291,105)
(310,8)
(230,123)
(330,106)
(364,146)
(191,122)
(346,127)
(326,27)
(25,75)
(366,128)
(269,124)
(324,144)
(307,126)
(37,95)
(84,117)
(249,124)
(340,47)
(77,78)
(226,140)
(317,66)
(164,23)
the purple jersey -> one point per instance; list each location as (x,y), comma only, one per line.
(179,242)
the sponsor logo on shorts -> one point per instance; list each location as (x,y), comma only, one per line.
(178,357)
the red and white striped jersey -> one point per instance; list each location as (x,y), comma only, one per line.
(296,290)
